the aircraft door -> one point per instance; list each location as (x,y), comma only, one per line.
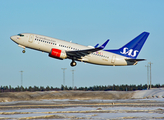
(113,59)
(31,38)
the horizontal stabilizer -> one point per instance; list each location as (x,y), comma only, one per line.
(134,60)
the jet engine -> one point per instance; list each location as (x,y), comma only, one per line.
(57,53)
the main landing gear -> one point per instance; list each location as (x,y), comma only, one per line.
(73,63)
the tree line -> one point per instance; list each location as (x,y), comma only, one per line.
(93,88)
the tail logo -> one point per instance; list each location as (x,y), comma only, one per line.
(130,52)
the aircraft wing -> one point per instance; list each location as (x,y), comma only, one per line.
(81,53)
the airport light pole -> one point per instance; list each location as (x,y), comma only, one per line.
(72,79)
(64,76)
(21,80)
(147,76)
(150,74)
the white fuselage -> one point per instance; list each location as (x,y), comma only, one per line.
(45,44)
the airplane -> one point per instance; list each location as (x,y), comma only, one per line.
(60,49)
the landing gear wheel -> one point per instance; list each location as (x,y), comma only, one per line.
(23,51)
(73,64)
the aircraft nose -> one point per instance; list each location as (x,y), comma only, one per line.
(13,38)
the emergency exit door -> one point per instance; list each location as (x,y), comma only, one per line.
(31,38)
(113,59)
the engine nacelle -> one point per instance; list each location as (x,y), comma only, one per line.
(57,53)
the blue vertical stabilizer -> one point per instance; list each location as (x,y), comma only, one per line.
(133,48)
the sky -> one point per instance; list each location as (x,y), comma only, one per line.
(85,22)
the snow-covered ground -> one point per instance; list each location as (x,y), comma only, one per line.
(152,93)
(89,113)
(145,104)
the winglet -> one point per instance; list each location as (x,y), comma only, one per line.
(96,45)
(103,45)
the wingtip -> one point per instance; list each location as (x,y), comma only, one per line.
(146,32)
(103,45)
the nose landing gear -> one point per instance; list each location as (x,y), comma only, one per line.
(23,51)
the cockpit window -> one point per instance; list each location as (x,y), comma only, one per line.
(21,35)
